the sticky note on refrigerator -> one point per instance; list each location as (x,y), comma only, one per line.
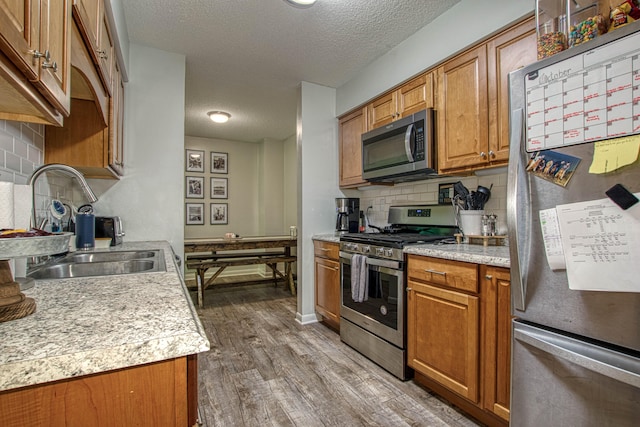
(613,154)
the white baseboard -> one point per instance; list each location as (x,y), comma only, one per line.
(306,319)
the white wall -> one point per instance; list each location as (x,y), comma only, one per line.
(148,196)
(272,168)
(458,28)
(318,177)
(290,190)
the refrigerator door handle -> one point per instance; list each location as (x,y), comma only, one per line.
(610,363)
(518,211)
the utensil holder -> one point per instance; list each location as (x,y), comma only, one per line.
(470,222)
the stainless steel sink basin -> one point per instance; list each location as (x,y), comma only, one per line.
(84,257)
(88,264)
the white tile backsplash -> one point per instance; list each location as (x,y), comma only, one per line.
(21,152)
(380,198)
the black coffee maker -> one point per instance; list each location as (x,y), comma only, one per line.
(348,215)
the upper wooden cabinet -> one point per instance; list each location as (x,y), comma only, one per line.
(34,38)
(351,127)
(116,123)
(415,95)
(91,139)
(92,22)
(462,104)
(507,52)
(473,100)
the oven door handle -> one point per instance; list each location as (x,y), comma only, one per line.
(388,263)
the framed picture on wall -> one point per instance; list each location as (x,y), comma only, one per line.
(195,187)
(194,161)
(219,162)
(219,213)
(194,214)
(219,188)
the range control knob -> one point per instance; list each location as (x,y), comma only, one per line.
(380,251)
(389,252)
(366,249)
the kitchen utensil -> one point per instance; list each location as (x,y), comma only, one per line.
(483,195)
(463,192)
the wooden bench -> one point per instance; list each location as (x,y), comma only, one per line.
(203,262)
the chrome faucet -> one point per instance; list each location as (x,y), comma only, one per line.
(57,167)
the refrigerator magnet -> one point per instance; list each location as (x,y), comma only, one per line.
(552,166)
(621,196)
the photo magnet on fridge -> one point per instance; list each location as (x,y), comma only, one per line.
(553,166)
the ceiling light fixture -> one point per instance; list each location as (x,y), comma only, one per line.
(219,116)
(301,3)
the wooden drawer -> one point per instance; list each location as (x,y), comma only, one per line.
(455,274)
(326,249)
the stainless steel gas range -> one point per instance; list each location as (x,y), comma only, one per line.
(372,283)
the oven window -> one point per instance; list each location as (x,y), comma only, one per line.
(382,296)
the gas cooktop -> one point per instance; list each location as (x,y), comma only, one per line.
(410,225)
(397,240)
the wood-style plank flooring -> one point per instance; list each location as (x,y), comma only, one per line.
(265,369)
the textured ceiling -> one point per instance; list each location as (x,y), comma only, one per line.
(248,57)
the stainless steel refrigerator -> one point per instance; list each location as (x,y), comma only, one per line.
(573,236)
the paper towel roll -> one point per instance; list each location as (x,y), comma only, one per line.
(22,206)
(6,205)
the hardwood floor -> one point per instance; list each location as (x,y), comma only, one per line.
(265,369)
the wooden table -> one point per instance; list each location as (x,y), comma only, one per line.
(221,253)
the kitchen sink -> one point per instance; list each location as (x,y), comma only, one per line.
(88,264)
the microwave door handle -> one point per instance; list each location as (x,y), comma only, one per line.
(407,143)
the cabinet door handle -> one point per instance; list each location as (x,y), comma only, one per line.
(488,277)
(325,249)
(102,54)
(409,289)
(53,65)
(37,54)
(441,273)
(483,155)
(492,154)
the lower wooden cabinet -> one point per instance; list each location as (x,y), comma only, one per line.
(496,332)
(327,282)
(158,394)
(443,328)
(459,334)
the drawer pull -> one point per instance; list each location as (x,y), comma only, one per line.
(441,273)
(325,249)
(409,289)
(488,277)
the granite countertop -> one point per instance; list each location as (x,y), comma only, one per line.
(95,324)
(328,237)
(497,256)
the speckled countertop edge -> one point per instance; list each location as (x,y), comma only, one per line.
(497,256)
(89,325)
(328,237)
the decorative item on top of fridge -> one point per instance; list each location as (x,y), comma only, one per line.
(566,23)
(551,27)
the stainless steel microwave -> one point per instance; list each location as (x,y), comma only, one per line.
(400,151)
